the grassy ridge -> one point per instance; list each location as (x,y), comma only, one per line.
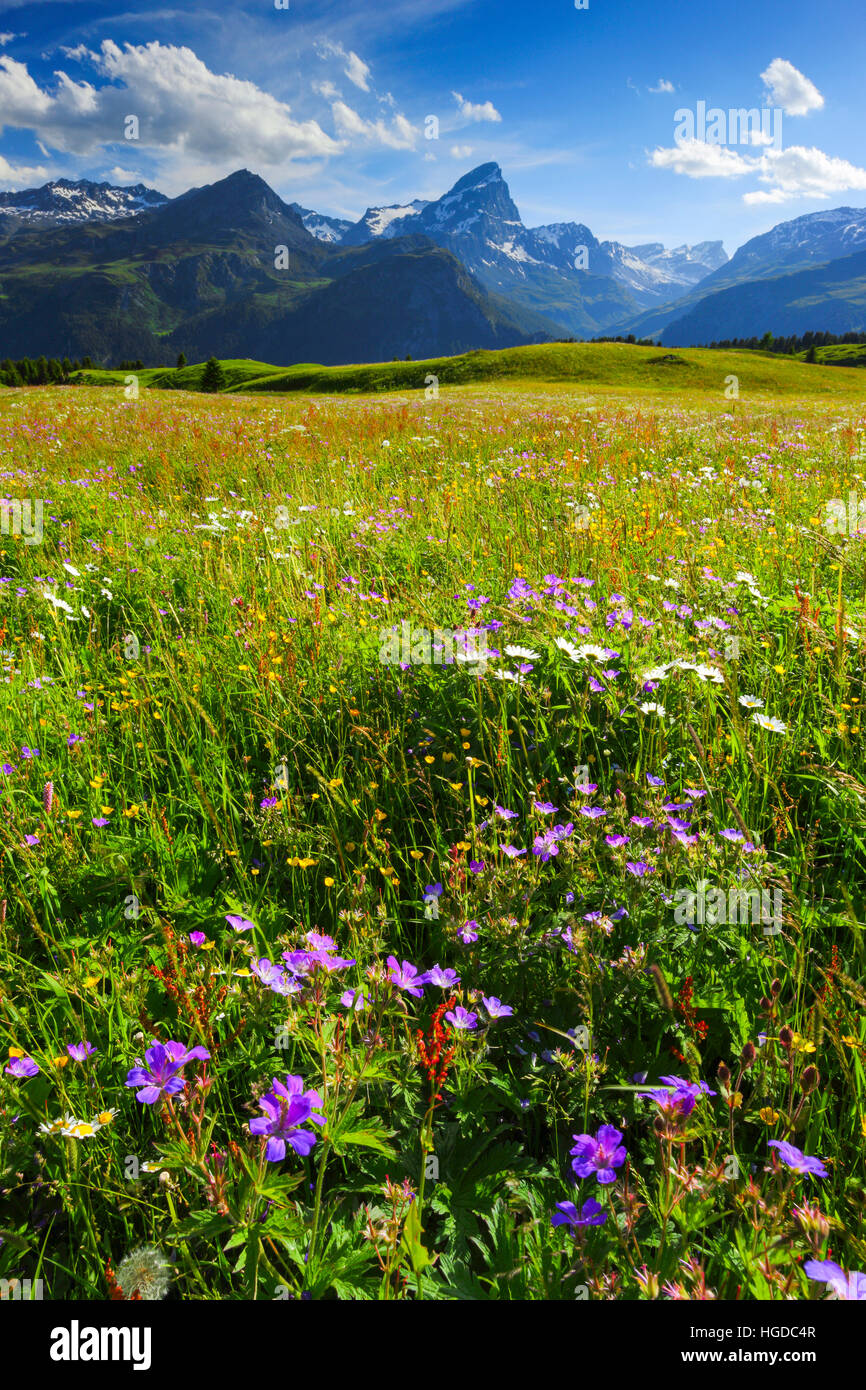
(615,366)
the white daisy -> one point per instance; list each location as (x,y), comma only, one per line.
(649,708)
(751,702)
(774,725)
(522,651)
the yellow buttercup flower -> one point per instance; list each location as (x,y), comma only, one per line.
(768,1115)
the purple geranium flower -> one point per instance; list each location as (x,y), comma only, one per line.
(495,1007)
(468,932)
(197,938)
(406,977)
(462,1019)
(617,841)
(164,1063)
(590,1214)
(593,812)
(79,1052)
(21,1067)
(239,923)
(600,1154)
(849,1287)
(286,1108)
(545,807)
(682,1097)
(445,979)
(797,1161)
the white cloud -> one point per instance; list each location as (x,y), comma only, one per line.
(399,134)
(190,114)
(119,175)
(7,38)
(789,89)
(475,111)
(804,173)
(358,71)
(663,86)
(355,68)
(461,151)
(698,160)
(327,90)
(21,176)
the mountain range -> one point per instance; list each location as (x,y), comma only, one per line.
(231,269)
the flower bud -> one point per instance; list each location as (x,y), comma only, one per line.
(776,988)
(748,1055)
(810,1079)
(723,1072)
(786,1037)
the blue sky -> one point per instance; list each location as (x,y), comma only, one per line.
(327,100)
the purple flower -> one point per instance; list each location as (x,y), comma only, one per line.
(600,1154)
(654,781)
(73,739)
(197,938)
(617,841)
(21,1066)
(639,868)
(406,977)
(468,932)
(267,803)
(164,1062)
(590,1214)
(433,890)
(593,812)
(445,979)
(354,999)
(29,752)
(31,840)
(732,835)
(849,1287)
(505,814)
(681,1099)
(546,807)
(79,1052)
(676,824)
(7,769)
(286,1108)
(476,865)
(495,1007)
(512,852)
(99,821)
(266,971)
(797,1161)
(643,821)
(239,923)
(461,1019)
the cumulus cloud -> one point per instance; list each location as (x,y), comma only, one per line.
(475,111)
(398,134)
(698,160)
(21,175)
(663,86)
(787,87)
(804,173)
(7,38)
(184,110)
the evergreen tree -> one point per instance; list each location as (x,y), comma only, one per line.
(181,360)
(213,377)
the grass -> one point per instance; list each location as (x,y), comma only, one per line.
(211,760)
(609,366)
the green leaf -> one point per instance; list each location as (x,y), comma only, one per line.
(411,1242)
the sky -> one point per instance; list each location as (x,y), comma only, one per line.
(591,112)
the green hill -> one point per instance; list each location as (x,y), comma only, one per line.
(606,365)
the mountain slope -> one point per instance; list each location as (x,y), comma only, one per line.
(404,297)
(829,297)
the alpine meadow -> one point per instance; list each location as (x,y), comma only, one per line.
(432,787)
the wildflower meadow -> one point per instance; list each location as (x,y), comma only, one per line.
(433,840)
